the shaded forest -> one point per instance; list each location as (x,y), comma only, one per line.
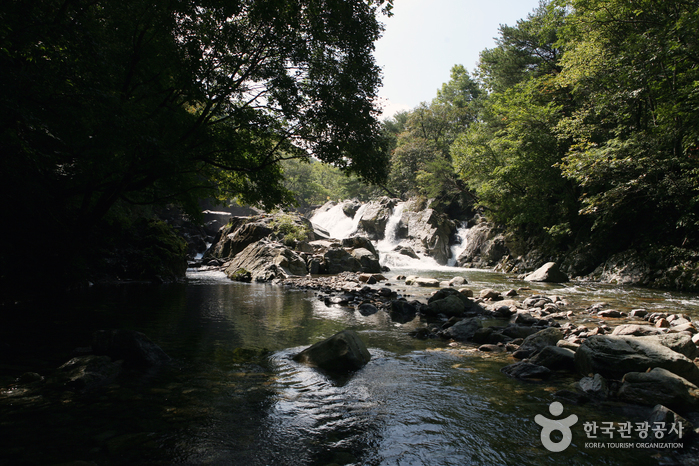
(577,132)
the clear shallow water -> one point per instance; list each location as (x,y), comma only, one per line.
(234,396)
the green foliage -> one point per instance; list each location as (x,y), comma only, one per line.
(314,183)
(128,102)
(289,229)
(632,69)
(421,160)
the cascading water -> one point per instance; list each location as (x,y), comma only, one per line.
(340,226)
(337,223)
(460,245)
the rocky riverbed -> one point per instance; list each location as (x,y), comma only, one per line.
(639,357)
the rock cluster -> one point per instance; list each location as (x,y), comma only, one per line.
(622,358)
(268,247)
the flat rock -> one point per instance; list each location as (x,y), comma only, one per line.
(659,386)
(613,356)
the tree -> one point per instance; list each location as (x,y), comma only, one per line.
(111,103)
(509,157)
(633,69)
(421,162)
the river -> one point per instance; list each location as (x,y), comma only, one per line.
(233,396)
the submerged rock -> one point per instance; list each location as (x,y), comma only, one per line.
(134,348)
(85,373)
(342,352)
(526,370)
(463,330)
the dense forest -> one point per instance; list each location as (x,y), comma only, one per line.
(112,108)
(578,131)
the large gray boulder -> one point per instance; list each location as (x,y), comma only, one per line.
(485,246)
(369,261)
(463,330)
(659,386)
(267,260)
(549,273)
(342,352)
(538,341)
(375,217)
(240,232)
(614,356)
(338,260)
(429,232)
(679,342)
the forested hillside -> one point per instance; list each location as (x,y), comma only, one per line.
(578,131)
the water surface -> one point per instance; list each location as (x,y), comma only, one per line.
(233,396)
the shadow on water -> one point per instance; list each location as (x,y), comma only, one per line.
(234,396)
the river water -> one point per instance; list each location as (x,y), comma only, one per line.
(233,396)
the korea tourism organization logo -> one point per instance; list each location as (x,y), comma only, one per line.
(656,435)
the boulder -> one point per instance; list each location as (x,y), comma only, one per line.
(267,260)
(463,330)
(367,309)
(549,273)
(555,358)
(636,330)
(679,342)
(682,427)
(356,242)
(595,386)
(613,356)
(489,293)
(425,282)
(402,311)
(526,370)
(375,217)
(429,232)
(85,373)
(134,348)
(406,251)
(450,306)
(337,260)
(537,342)
(659,386)
(485,246)
(342,352)
(368,260)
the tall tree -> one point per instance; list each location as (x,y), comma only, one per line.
(509,157)
(128,102)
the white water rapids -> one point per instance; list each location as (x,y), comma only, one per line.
(341,226)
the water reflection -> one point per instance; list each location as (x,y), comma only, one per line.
(234,396)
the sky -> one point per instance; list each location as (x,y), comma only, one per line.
(425,38)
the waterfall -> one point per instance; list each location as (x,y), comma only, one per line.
(389,241)
(337,223)
(340,226)
(459,247)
